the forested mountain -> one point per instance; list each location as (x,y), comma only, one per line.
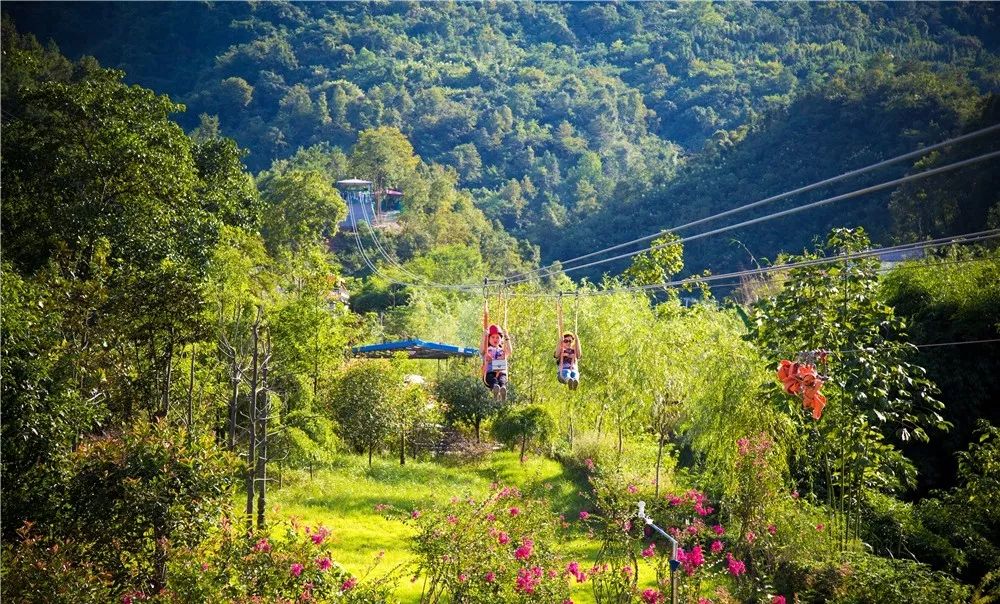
(577,115)
(183,304)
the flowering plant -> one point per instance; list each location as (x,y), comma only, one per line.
(495,550)
(296,566)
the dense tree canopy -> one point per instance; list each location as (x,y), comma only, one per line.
(575,114)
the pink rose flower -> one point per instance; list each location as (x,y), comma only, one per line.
(735,567)
(584,515)
(324,563)
(650,551)
(524,551)
(503,538)
(320,535)
(778,600)
(415,514)
(716,546)
(718,529)
(490,577)
(296,569)
(349,584)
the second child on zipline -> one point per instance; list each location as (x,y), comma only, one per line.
(567,352)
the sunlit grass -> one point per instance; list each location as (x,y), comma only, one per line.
(343,498)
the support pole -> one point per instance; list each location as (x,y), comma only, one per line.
(674,562)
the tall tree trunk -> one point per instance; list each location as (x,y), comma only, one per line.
(524,444)
(620,444)
(234,402)
(402,447)
(159,560)
(168,374)
(659,459)
(252,429)
(263,416)
(316,366)
(478,420)
(370,447)
(190,405)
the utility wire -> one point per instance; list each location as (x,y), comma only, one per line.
(918,153)
(904,266)
(772,216)
(696,280)
(426,281)
(371,265)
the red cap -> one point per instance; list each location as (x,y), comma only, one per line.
(495,330)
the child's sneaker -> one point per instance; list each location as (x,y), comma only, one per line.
(496,391)
(573,383)
(503,394)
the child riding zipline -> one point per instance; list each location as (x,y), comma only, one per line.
(567,353)
(495,349)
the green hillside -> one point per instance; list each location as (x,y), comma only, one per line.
(561,115)
(223,380)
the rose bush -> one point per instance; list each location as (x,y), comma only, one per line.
(499,549)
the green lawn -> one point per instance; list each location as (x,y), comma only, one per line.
(343,498)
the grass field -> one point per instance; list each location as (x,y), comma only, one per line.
(343,498)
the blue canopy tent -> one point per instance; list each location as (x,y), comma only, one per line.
(414,349)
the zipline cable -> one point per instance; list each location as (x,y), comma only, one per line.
(918,153)
(696,280)
(772,216)
(900,267)
(427,282)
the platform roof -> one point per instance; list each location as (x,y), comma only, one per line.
(414,349)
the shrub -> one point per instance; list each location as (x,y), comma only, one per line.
(38,570)
(492,551)
(523,425)
(295,564)
(134,496)
(875,579)
(705,549)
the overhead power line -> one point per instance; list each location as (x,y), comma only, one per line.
(871,252)
(772,216)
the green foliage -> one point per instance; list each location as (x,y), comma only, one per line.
(44,411)
(953,296)
(874,579)
(590,110)
(501,549)
(966,517)
(362,401)
(663,260)
(301,207)
(520,425)
(296,563)
(466,400)
(37,570)
(873,389)
(107,162)
(135,495)
(385,157)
